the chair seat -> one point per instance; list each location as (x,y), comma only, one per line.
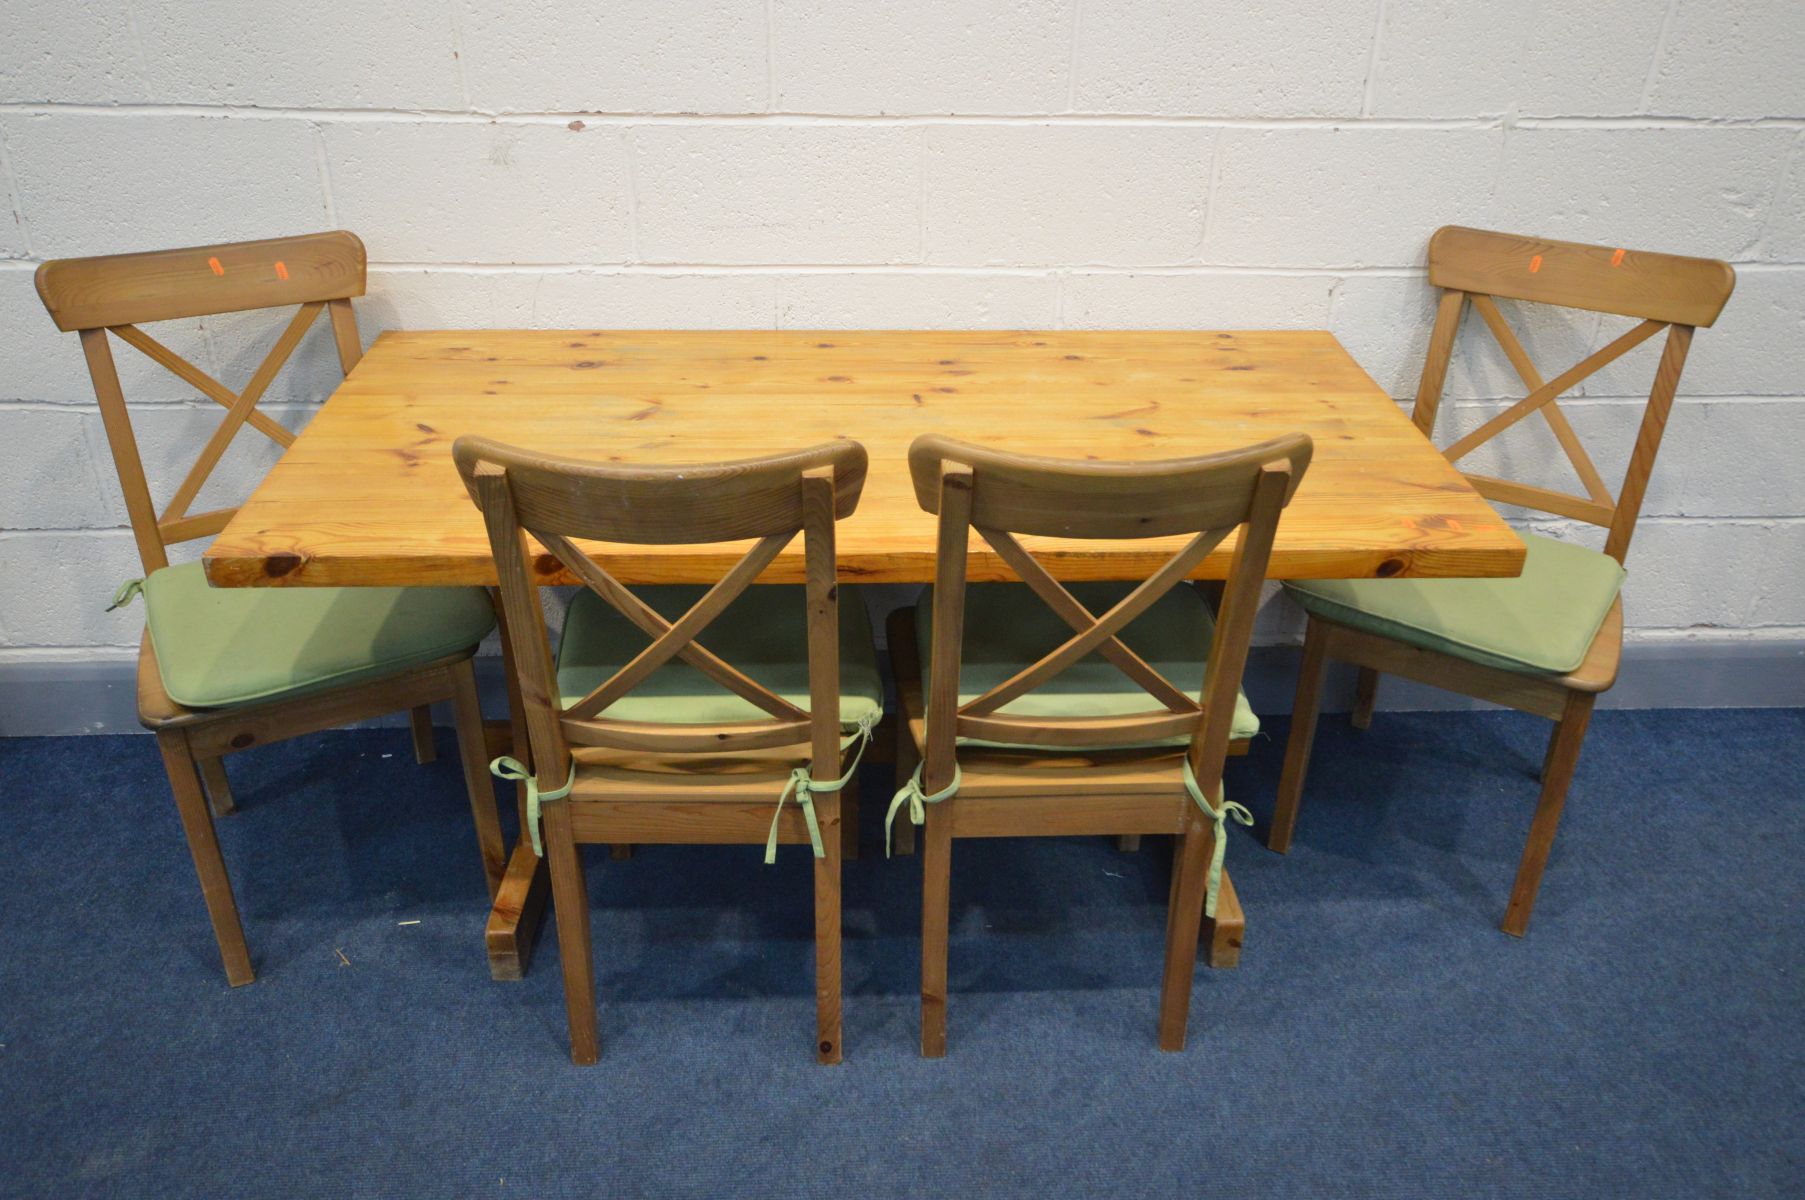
(1541,622)
(219,647)
(763,633)
(1007,627)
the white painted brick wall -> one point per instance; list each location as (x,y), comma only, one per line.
(1283,58)
(1345,195)
(1037,163)
(760,193)
(624,56)
(74,53)
(1730,58)
(102,184)
(1010,194)
(917,300)
(1437,58)
(665,300)
(1705,189)
(927,56)
(483,193)
(51,473)
(332,54)
(1142,300)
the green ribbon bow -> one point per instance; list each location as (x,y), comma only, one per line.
(912,794)
(512,768)
(1220,816)
(803,786)
(128,591)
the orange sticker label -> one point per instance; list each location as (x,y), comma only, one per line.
(1535,264)
(281,271)
(214,264)
(1617,258)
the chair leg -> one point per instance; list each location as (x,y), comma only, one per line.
(219,788)
(467,715)
(1366,693)
(830,810)
(1563,757)
(570,901)
(203,845)
(1128,843)
(1184,921)
(849,820)
(936,893)
(419,720)
(1305,708)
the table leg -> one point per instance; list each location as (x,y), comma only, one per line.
(520,903)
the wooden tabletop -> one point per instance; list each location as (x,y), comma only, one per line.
(367,495)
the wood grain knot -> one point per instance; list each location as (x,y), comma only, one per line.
(241,740)
(278,565)
(1390,567)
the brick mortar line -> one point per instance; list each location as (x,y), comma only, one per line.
(544,116)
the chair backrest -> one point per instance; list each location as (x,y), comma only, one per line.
(557,499)
(1663,290)
(119,292)
(1002,495)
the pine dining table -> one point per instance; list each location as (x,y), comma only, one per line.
(367,495)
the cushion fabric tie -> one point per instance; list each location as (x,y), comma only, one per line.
(912,794)
(128,591)
(803,785)
(1220,816)
(512,768)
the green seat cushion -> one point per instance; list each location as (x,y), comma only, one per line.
(1541,622)
(218,647)
(1007,627)
(763,633)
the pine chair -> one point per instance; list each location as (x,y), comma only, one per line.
(1028,727)
(639,733)
(1547,642)
(224,670)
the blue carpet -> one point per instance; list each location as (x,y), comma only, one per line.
(1381,1037)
